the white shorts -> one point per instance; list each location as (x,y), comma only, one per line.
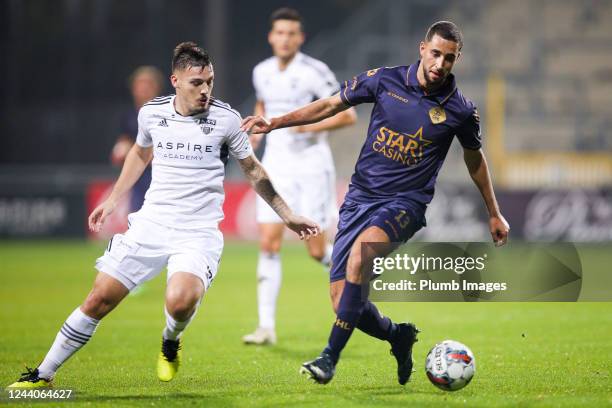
(147,247)
(312,196)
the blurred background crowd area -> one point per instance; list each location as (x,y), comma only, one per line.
(540,72)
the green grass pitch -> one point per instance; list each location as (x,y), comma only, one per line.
(527,354)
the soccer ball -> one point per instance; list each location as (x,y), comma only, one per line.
(450,365)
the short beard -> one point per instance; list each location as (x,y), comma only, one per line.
(429,81)
(197,111)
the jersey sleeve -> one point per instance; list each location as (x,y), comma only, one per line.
(361,89)
(143,138)
(469,132)
(325,83)
(238,142)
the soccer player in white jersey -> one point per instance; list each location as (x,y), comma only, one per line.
(188,137)
(298,160)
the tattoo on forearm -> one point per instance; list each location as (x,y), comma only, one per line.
(263,186)
(265,189)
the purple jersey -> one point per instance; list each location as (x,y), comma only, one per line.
(409,133)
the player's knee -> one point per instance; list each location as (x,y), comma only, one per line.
(335,292)
(270,245)
(181,311)
(354,268)
(270,240)
(335,300)
(98,304)
(182,302)
(316,253)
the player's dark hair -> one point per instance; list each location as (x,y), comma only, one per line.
(189,54)
(286,13)
(447,30)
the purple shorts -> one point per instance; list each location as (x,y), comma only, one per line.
(400,219)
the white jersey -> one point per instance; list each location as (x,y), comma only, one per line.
(189,156)
(304,80)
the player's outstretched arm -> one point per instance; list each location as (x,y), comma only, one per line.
(260,181)
(311,113)
(479,171)
(342,119)
(135,163)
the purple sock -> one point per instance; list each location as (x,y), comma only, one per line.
(349,311)
(373,323)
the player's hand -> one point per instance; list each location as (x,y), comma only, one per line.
(302,226)
(256,124)
(255,139)
(499,228)
(98,215)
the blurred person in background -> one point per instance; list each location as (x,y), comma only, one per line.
(146,82)
(299,160)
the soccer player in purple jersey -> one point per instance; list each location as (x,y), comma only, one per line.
(417,112)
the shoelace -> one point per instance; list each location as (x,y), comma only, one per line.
(324,363)
(29,375)
(170,349)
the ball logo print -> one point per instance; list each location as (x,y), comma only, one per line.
(450,365)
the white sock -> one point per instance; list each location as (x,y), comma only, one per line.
(327,258)
(74,334)
(269,274)
(174,329)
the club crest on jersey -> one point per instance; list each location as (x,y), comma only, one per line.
(437,115)
(207,125)
(372,72)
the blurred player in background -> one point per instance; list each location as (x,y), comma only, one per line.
(299,160)
(146,83)
(417,112)
(189,137)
